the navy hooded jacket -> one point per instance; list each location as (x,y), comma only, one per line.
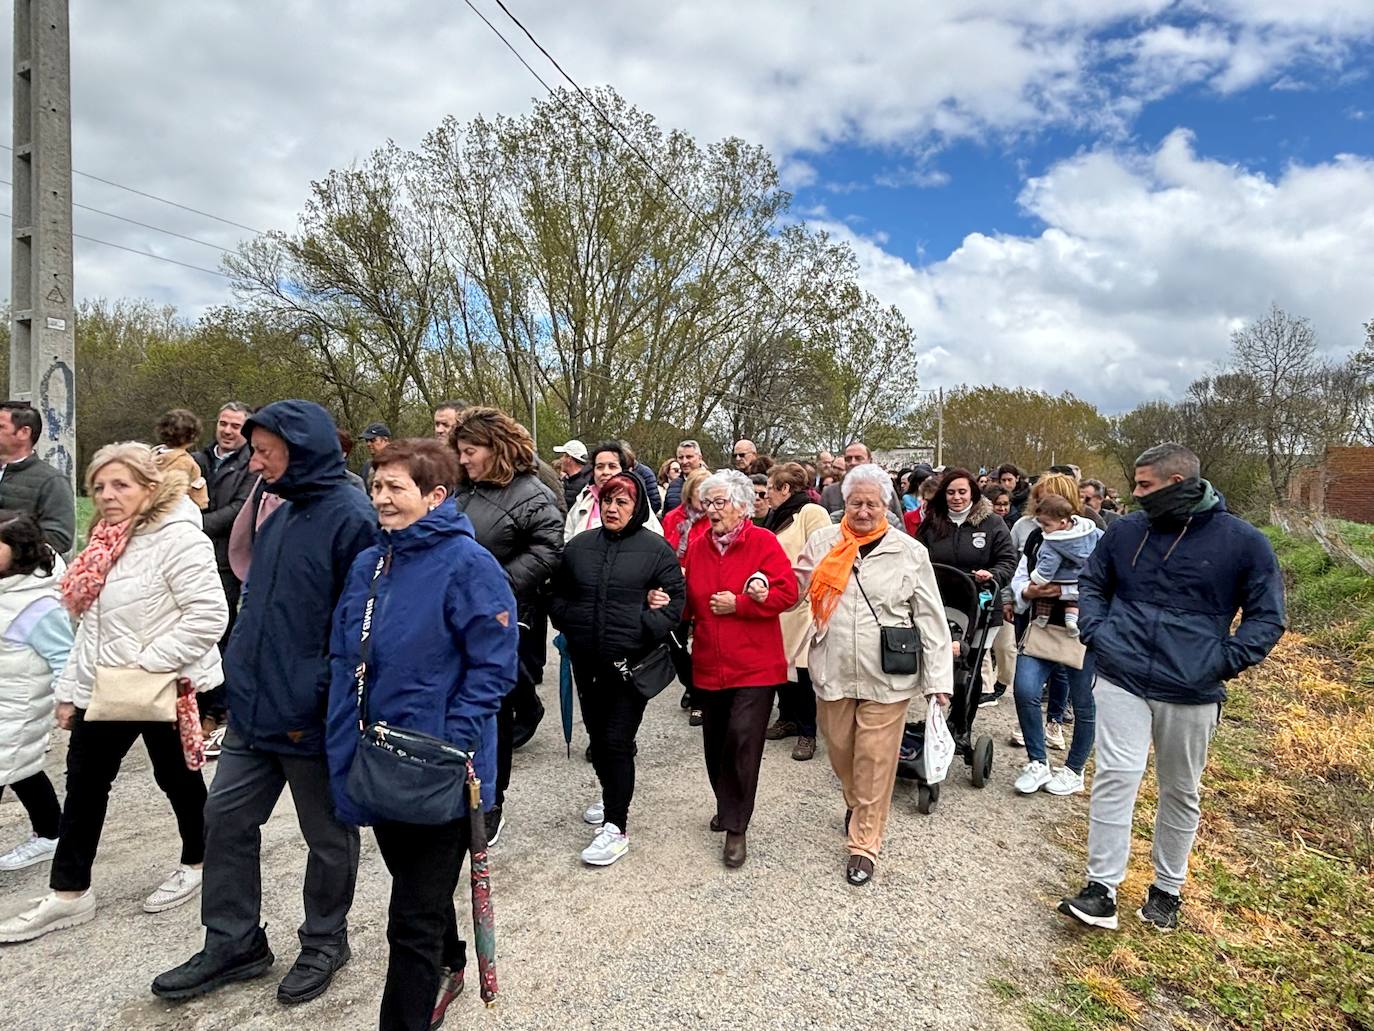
(1155,605)
(276,665)
(443,649)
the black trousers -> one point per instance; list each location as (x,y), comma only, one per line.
(39,800)
(522,702)
(682,659)
(734,721)
(94,756)
(612,710)
(797,703)
(213,703)
(422,927)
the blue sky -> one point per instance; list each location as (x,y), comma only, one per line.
(1084,195)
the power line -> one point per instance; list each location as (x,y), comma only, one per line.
(160,200)
(146,254)
(142,225)
(667,184)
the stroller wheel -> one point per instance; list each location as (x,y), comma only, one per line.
(982,761)
(927,797)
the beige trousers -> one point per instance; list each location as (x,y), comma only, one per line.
(862,739)
(1002,652)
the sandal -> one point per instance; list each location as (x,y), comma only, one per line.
(858,871)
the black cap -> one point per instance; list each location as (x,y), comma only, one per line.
(375,430)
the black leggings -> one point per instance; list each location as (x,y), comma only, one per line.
(93,759)
(612,710)
(40,801)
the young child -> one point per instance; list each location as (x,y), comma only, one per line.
(1069,540)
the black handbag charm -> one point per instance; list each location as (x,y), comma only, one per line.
(401,774)
(900,645)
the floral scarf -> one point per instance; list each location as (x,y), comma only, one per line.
(85,577)
(693,516)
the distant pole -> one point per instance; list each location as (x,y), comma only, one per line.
(42,334)
(940,428)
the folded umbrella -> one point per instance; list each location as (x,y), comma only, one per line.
(565,689)
(188,725)
(483,916)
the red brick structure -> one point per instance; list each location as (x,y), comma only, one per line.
(1341,486)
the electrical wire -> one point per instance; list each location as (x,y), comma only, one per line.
(160,200)
(146,254)
(142,225)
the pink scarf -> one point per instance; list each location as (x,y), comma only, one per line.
(85,577)
(722,541)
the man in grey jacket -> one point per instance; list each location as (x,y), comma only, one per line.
(832,500)
(29,484)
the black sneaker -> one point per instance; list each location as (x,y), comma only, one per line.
(496,822)
(1160,909)
(205,971)
(686,700)
(1091,906)
(310,975)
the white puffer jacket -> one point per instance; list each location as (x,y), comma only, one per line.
(26,695)
(162,606)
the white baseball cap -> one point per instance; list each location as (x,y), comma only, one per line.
(574,449)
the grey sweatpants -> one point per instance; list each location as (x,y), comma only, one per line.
(1126,727)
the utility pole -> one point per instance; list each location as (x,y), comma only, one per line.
(940,428)
(42,334)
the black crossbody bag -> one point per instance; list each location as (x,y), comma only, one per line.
(402,774)
(901,645)
(651,674)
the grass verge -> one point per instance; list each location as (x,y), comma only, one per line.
(1278,920)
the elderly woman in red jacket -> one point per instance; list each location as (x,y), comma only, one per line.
(739,581)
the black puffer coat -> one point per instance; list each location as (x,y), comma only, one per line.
(600,592)
(519,524)
(982,541)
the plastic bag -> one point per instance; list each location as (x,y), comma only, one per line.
(939,744)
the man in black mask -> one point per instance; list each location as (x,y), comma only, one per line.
(1156,603)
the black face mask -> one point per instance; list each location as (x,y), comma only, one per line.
(1172,505)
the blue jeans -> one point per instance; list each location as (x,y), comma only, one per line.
(1031,676)
(1059,694)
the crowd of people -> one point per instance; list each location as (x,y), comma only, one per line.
(320,618)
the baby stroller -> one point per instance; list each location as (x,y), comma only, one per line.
(969,611)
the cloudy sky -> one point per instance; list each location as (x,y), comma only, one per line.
(1065,194)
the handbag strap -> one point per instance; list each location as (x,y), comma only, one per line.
(870,603)
(364,647)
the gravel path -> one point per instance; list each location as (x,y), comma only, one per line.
(665,938)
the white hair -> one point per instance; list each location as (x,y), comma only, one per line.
(738,488)
(869,473)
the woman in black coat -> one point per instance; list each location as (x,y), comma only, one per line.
(960,529)
(515,516)
(616,597)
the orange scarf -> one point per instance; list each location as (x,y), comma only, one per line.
(832,573)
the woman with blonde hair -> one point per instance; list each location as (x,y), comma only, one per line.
(146,589)
(515,516)
(681,526)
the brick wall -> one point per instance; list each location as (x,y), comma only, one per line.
(1341,486)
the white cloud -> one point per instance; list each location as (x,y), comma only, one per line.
(1147,263)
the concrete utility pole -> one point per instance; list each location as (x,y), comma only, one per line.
(42,335)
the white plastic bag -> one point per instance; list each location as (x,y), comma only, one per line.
(938,752)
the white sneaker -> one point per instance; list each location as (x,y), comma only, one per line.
(1065,782)
(596,813)
(49,913)
(32,852)
(608,846)
(1034,776)
(1016,738)
(182,885)
(1054,736)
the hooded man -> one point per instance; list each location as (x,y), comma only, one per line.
(1157,601)
(277,672)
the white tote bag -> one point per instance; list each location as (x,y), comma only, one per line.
(939,744)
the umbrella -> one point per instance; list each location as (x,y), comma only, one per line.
(565,689)
(483,916)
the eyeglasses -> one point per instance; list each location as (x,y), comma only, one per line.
(715,502)
(745,454)
(761,494)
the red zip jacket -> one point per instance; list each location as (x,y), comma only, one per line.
(743,649)
(672,528)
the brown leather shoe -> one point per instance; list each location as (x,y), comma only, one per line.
(715,825)
(804,749)
(781,729)
(735,852)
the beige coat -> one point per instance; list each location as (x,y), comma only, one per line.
(846,660)
(796,621)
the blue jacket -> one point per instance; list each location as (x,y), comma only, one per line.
(276,666)
(443,651)
(1156,606)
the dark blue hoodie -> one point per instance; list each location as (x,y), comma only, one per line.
(277,663)
(442,653)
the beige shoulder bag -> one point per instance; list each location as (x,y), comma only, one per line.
(1053,644)
(130,694)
